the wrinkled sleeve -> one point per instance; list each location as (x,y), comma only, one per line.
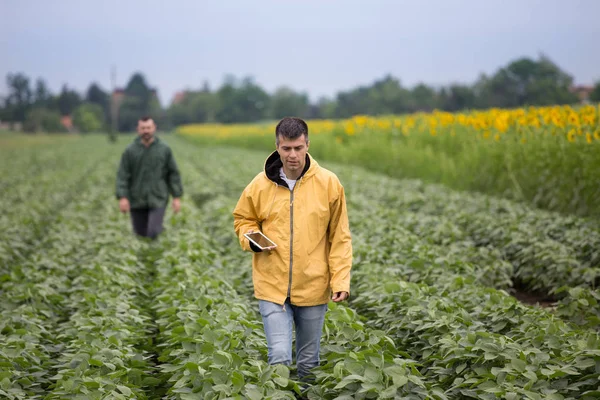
(245,219)
(340,240)
(173,177)
(123,177)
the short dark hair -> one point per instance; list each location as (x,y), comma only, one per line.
(145,118)
(291,128)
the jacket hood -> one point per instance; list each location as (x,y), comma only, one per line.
(273,164)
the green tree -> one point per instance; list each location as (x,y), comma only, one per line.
(243,101)
(595,95)
(139,100)
(130,112)
(547,84)
(423,98)
(20,96)
(42,96)
(526,82)
(39,119)
(389,97)
(352,102)
(88,117)
(96,95)
(286,102)
(5,110)
(139,89)
(384,96)
(156,111)
(68,101)
(196,107)
(324,109)
(457,98)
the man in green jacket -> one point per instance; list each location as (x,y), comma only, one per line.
(147,175)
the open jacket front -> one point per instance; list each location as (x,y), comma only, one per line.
(310,226)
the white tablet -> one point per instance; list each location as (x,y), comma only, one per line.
(259,240)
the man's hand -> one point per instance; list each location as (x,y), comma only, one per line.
(339,296)
(124,205)
(176,205)
(264,248)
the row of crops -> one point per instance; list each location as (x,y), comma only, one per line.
(90,312)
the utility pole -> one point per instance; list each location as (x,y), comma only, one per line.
(114,107)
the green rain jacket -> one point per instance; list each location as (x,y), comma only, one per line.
(147,175)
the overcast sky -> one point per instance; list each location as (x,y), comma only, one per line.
(318,46)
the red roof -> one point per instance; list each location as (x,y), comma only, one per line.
(179,97)
(67,122)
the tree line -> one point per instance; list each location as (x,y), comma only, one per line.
(520,83)
(36,108)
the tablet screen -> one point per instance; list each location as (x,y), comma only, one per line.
(259,239)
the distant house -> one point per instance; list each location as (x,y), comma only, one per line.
(179,98)
(583,92)
(67,122)
(118,95)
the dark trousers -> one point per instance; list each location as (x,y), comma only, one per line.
(148,222)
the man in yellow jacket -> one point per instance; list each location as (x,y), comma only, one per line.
(302,208)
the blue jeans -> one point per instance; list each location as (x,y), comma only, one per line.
(278,321)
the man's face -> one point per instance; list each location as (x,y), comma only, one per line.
(146,129)
(293,153)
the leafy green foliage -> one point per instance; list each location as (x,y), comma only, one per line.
(43,120)
(451,304)
(68,100)
(52,177)
(68,326)
(89,311)
(595,95)
(88,117)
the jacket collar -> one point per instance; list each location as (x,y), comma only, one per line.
(273,164)
(138,141)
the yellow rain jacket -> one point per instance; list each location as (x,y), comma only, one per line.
(309,225)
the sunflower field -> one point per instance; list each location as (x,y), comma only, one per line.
(548,156)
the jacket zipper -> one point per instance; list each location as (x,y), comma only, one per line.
(289,292)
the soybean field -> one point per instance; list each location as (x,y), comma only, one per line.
(455,295)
